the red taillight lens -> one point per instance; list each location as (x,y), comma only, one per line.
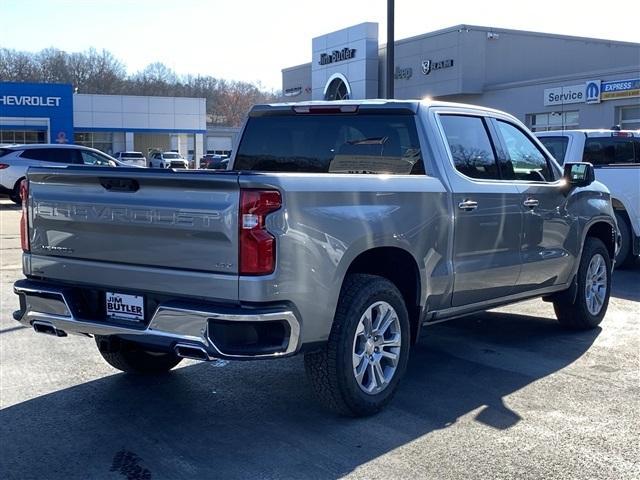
(257,255)
(24,219)
(4,165)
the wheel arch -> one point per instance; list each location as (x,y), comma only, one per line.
(399,267)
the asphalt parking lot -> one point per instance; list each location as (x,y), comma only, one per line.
(502,395)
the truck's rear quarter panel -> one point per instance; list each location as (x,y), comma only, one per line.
(327,220)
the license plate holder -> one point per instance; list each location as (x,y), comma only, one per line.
(122,306)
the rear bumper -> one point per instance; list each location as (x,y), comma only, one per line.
(173,324)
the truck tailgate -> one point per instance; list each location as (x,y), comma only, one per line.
(170,220)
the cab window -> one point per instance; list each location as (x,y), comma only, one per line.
(470,146)
(524,160)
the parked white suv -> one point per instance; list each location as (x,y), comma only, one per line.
(132,158)
(615,154)
(167,160)
(16,159)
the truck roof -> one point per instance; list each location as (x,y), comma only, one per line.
(367,104)
(591,132)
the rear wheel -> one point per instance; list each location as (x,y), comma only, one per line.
(14,196)
(132,358)
(625,255)
(358,371)
(589,306)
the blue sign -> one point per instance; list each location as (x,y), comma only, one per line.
(40,100)
(620,89)
(592,91)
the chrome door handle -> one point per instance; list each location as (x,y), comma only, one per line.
(531,203)
(468,205)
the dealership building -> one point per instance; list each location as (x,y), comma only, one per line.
(548,81)
(53,113)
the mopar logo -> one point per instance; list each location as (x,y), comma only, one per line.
(592,91)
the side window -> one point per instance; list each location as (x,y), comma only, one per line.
(90,158)
(36,154)
(524,160)
(470,146)
(608,151)
(52,155)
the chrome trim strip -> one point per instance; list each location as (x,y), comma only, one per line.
(185,325)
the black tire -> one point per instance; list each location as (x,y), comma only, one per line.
(14,196)
(130,358)
(625,255)
(574,313)
(331,370)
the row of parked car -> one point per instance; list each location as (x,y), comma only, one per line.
(16,159)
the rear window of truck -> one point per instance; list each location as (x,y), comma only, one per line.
(357,144)
(609,151)
(557,146)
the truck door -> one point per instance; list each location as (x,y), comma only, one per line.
(549,243)
(488,217)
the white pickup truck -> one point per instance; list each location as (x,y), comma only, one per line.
(615,154)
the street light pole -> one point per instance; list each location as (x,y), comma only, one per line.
(390,48)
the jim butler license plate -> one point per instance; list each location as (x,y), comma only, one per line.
(125,307)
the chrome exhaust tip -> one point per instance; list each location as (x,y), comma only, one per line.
(48,329)
(194,352)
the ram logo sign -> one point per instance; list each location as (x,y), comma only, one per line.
(592,91)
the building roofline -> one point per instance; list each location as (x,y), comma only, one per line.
(631,70)
(461,27)
(295,67)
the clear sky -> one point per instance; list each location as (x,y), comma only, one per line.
(254,40)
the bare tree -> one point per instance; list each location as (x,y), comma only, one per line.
(95,71)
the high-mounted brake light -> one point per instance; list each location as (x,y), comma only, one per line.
(326,109)
(24,219)
(621,134)
(257,252)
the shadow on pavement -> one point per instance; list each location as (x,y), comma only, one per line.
(626,283)
(259,420)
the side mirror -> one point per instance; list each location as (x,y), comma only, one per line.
(579,174)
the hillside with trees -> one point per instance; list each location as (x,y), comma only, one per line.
(101,72)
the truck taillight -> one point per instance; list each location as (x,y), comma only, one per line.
(257,252)
(24,219)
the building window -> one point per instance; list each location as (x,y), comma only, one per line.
(541,122)
(102,141)
(219,152)
(22,136)
(629,118)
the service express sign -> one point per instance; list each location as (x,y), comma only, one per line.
(564,95)
(620,89)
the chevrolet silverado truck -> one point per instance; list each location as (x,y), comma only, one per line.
(337,232)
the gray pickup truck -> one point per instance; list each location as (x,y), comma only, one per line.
(339,230)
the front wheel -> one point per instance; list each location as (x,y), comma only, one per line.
(589,306)
(130,357)
(358,370)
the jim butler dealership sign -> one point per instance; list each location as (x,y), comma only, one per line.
(337,56)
